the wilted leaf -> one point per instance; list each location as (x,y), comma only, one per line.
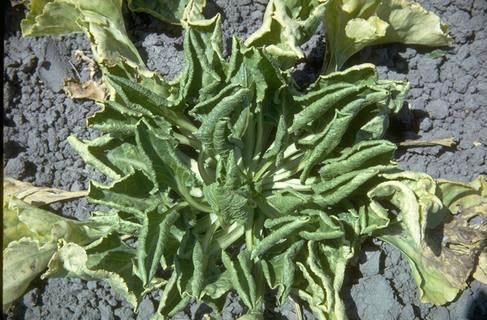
(480,273)
(287,25)
(458,196)
(23,261)
(171,11)
(30,234)
(73,260)
(86,90)
(37,195)
(352,25)
(446,142)
(323,273)
(102,21)
(18,2)
(46,226)
(448,252)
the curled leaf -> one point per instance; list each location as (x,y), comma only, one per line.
(109,264)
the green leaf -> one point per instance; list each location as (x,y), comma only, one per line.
(323,273)
(228,204)
(352,25)
(131,194)
(88,152)
(171,299)
(153,239)
(366,153)
(278,235)
(242,279)
(279,271)
(224,108)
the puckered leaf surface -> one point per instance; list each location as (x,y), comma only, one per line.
(244,156)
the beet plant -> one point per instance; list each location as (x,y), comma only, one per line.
(230,178)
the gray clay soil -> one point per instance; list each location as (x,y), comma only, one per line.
(448,98)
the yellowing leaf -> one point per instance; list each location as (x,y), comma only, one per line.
(13,227)
(287,25)
(102,21)
(448,252)
(72,259)
(86,90)
(480,273)
(171,11)
(352,25)
(30,234)
(459,195)
(23,261)
(37,195)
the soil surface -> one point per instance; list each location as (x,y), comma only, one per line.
(448,98)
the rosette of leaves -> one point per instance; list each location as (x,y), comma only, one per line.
(228,178)
(235,180)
